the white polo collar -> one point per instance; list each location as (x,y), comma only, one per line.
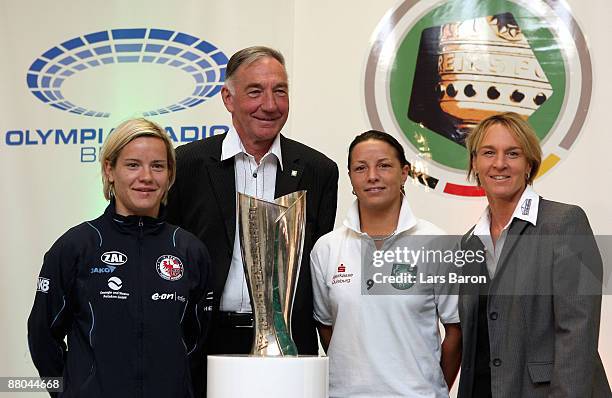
(232,146)
(406,221)
(526,209)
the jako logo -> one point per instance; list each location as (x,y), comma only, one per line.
(115,283)
(203,61)
(113,258)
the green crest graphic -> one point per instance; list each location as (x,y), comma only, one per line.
(404,270)
(437,68)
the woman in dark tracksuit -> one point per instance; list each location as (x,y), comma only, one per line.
(127,289)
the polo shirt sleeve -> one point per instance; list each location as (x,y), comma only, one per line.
(447,306)
(446,295)
(320,289)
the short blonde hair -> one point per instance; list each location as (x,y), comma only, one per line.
(522,131)
(125,133)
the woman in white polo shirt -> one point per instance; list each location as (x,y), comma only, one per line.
(380,345)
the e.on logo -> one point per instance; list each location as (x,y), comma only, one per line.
(113,258)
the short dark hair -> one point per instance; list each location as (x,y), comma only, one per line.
(379,136)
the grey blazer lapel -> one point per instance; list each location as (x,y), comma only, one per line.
(517,228)
(471,292)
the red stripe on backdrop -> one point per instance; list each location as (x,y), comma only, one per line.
(463,190)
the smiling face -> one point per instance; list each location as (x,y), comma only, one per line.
(376,175)
(501,165)
(258,101)
(140,177)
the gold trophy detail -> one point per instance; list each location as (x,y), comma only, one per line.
(486,66)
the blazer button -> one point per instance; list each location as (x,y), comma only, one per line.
(497,362)
(493,316)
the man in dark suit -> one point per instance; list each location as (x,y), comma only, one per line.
(253,158)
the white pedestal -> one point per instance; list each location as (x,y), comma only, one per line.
(242,376)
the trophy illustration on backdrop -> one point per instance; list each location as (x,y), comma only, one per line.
(470,69)
(487,66)
(271,242)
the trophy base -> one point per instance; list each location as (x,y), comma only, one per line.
(242,376)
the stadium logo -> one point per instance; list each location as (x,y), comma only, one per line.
(435,69)
(199,59)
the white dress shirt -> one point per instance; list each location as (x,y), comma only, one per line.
(253,179)
(526,209)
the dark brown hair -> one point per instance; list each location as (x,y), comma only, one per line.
(379,136)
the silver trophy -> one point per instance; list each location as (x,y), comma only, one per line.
(271,242)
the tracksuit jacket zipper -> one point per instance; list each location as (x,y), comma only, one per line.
(140,333)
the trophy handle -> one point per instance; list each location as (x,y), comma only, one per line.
(292,225)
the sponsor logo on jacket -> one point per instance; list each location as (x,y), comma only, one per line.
(113,258)
(167,297)
(115,284)
(42,285)
(169,267)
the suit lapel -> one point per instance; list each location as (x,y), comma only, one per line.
(471,292)
(224,186)
(288,179)
(516,230)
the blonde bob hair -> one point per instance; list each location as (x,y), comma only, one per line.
(522,131)
(125,133)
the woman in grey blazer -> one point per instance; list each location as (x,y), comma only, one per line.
(532,330)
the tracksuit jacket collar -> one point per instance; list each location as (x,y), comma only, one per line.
(135,224)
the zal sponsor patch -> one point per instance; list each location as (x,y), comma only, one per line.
(169,267)
(113,258)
